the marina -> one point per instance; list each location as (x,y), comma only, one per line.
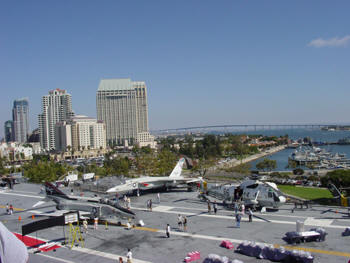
(281,157)
(317,158)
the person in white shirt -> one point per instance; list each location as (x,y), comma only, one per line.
(243,208)
(128,203)
(125,200)
(128,256)
(85,226)
(179,221)
(95,223)
(167,230)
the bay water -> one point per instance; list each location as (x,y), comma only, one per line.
(316,134)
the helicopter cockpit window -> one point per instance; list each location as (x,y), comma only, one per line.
(270,194)
(275,197)
(252,186)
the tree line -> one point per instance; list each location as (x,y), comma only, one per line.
(203,151)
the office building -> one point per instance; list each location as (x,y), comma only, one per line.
(80,133)
(122,106)
(9,131)
(20,118)
(56,107)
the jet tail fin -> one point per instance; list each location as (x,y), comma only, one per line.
(337,194)
(52,190)
(178,168)
(334,190)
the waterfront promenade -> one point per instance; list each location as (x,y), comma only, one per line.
(235,162)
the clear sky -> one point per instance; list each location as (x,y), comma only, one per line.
(204,62)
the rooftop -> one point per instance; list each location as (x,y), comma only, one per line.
(115,84)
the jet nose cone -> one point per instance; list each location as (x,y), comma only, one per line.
(111,190)
(282,199)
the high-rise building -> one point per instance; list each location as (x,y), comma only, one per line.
(56,107)
(9,131)
(20,116)
(80,133)
(122,105)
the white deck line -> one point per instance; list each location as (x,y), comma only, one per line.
(310,222)
(55,258)
(106,255)
(32,196)
(231,212)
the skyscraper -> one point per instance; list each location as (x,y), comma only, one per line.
(56,107)
(20,113)
(122,105)
(8,131)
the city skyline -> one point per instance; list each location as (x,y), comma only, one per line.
(204,63)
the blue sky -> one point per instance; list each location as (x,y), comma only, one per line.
(204,62)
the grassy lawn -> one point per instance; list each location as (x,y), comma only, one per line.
(305,192)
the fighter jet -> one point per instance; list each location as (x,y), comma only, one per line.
(253,193)
(162,183)
(90,207)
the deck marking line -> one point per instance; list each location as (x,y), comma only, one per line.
(105,254)
(245,219)
(56,258)
(32,196)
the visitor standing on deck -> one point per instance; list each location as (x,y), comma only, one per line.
(95,223)
(250,214)
(185,223)
(243,209)
(167,230)
(215,207)
(129,256)
(238,220)
(179,221)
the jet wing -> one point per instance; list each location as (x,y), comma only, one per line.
(194,180)
(82,214)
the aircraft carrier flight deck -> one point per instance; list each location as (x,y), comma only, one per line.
(204,231)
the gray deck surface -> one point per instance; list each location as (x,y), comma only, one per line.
(204,233)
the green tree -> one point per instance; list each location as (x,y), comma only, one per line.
(146,164)
(202,166)
(165,162)
(238,148)
(340,178)
(266,165)
(209,147)
(3,170)
(243,168)
(121,166)
(187,147)
(43,171)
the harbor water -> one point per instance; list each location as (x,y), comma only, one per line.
(316,135)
